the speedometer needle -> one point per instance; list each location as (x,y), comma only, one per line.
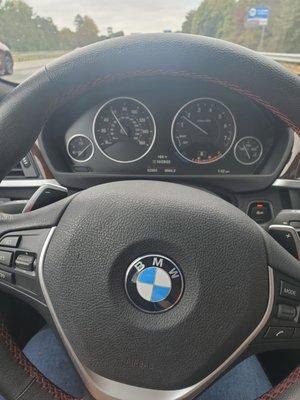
(116,118)
(196,126)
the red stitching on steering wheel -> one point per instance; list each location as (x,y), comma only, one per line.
(57,393)
(291,380)
(29,368)
(132,74)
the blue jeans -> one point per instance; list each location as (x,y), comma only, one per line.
(246,381)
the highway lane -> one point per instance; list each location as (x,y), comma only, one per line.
(24,69)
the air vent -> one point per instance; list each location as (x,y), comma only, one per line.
(24,169)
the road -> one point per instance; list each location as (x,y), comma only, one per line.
(26,68)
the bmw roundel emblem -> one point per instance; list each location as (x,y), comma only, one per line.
(154,283)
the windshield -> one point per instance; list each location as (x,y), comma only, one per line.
(34,32)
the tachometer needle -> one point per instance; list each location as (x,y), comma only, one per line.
(196,126)
(247,152)
(116,118)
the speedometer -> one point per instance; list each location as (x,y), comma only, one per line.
(203,130)
(124,130)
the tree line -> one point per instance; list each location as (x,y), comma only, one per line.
(23,30)
(227,19)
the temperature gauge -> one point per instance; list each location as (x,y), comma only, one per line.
(248,150)
(80,148)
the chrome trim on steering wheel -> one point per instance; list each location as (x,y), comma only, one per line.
(26,183)
(105,389)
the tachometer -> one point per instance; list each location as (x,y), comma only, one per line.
(203,130)
(124,130)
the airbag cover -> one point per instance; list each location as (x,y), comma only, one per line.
(219,250)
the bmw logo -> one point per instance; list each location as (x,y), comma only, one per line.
(154,283)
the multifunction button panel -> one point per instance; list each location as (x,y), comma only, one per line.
(19,257)
(284,324)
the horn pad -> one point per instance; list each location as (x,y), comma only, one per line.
(216,250)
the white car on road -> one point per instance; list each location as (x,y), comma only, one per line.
(6,60)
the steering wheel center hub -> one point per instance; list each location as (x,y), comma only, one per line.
(154,283)
(125,252)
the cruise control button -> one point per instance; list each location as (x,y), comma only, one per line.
(6,276)
(286,312)
(5,258)
(290,291)
(279,333)
(10,241)
(25,261)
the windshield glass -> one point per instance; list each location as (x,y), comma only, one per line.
(34,32)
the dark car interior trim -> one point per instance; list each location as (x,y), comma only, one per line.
(261,190)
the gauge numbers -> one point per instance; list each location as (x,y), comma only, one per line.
(124,130)
(80,148)
(248,150)
(203,131)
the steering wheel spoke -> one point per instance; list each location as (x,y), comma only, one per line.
(20,253)
(82,271)
(283,328)
(22,239)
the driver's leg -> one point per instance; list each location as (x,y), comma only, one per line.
(46,352)
(246,381)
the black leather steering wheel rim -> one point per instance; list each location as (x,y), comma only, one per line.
(245,71)
(27,383)
(25,111)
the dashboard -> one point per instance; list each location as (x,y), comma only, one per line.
(165,129)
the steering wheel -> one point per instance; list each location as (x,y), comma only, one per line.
(216,273)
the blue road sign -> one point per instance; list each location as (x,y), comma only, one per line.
(258,15)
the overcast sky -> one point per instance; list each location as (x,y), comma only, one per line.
(128,15)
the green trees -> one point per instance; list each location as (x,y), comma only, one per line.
(287,35)
(67,39)
(187,24)
(211,17)
(86,31)
(226,19)
(22,30)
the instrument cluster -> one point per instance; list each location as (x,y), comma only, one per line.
(165,129)
(203,132)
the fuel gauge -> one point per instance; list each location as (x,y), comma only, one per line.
(80,148)
(248,150)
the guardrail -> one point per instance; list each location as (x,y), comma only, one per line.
(284,57)
(29,56)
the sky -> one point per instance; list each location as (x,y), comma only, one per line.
(132,16)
